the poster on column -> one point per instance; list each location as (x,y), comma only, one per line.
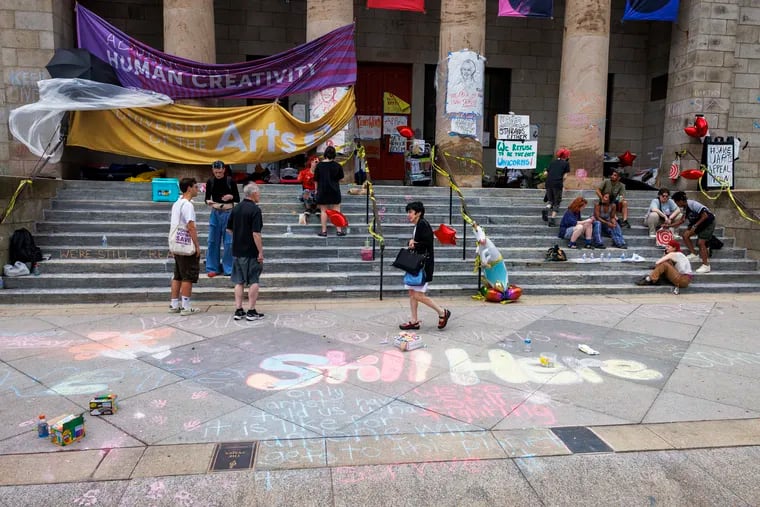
(514,127)
(319,104)
(718,158)
(464,86)
(516,154)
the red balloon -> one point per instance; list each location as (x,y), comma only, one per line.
(446,235)
(627,158)
(691,131)
(405,131)
(514,292)
(337,218)
(701,123)
(692,174)
(494,296)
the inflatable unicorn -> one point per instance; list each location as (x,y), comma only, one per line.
(495,277)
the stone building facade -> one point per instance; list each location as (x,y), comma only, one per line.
(658,74)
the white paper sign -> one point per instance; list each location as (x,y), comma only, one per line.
(390,122)
(516,154)
(369,126)
(512,126)
(464,126)
(720,165)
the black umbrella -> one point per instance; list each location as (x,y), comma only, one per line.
(80,63)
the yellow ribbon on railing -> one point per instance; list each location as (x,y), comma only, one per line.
(12,202)
(375,228)
(454,187)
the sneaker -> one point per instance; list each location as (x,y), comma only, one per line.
(239,314)
(622,247)
(704,268)
(693,257)
(212,274)
(625,224)
(676,291)
(572,245)
(644,281)
(600,246)
(545,215)
(175,310)
(189,311)
(552,222)
(588,246)
(652,236)
(322,234)
(252,314)
(307,213)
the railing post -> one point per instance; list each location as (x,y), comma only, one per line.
(451,203)
(382,250)
(464,238)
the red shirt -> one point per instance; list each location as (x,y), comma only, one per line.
(306,177)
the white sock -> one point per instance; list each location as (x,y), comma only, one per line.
(175,303)
(185,302)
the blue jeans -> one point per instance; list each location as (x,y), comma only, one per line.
(615,233)
(217,233)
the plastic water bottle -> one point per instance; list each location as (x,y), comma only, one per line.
(583,257)
(42,427)
(528,344)
(289,231)
(104,241)
(36,269)
(591,256)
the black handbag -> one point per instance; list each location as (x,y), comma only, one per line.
(409,261)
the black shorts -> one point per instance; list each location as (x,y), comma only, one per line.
(187,268)
(245,271)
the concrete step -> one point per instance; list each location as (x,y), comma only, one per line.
(136,266)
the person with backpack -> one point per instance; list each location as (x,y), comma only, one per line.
(701,223)
(221,196)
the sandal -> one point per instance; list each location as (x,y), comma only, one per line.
(322,234)
(409,325)
(442,321)
(341,233)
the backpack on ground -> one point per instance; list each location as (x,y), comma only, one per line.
(713,244)
(22,247)
(555,253)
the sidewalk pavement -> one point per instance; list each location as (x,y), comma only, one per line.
(315,406)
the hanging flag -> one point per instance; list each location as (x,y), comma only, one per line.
(327,61)
(397,5)
(199,135)
(526,8)
(651,10)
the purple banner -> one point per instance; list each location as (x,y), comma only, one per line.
(526,8)
(326,62)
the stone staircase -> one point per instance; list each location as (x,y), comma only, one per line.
(135,265)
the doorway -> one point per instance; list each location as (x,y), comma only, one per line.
(372,82)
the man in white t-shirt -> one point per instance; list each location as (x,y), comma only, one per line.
(186,267)
(663,211)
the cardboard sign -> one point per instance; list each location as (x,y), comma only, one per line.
(718,157)
(516,154)
(512,127)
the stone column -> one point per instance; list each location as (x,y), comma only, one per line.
(581,113)
(189,33)
(463,26)
(705,66)
(324,16)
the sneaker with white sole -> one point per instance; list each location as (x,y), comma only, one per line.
(189,311)
(239,314)
(175,310)
(252,314)
(693,257)
(704,268)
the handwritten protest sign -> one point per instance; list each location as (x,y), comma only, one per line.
(512,127)
(516,154)
(718,157)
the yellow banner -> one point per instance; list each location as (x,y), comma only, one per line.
(394,105)
(200,135)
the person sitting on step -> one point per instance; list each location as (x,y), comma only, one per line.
(674,266)
(662,212)
(616,189)
(606,223)
(572,227)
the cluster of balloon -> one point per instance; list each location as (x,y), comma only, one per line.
(626,159)
(337,218)
(446,235)
(496,287)
(699,129)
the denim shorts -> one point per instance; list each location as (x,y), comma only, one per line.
(245,270)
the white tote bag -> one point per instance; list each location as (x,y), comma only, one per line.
(180,242)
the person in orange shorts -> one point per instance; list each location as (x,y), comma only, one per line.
(674,266)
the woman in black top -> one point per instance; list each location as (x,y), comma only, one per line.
(422,243)
(327,176)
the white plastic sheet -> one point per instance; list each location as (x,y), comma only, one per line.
(38,125)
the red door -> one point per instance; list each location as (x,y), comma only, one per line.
(373,79)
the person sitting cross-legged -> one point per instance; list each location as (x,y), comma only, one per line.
(607,224)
